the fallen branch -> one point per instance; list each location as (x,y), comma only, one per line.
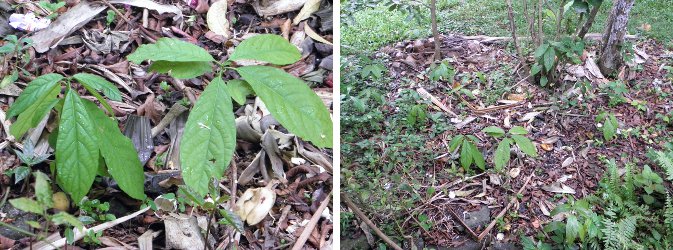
(371,225)
(496,39)
(426,95)
(502,212)
(299,244)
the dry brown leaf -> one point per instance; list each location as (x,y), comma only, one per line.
(310,7)
(314,35)
(217,18)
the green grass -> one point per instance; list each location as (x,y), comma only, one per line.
(376,26)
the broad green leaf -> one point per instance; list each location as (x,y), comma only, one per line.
(540,50)
(76,148)
(239,90)
(455,142)
(232,219)
(543,81)
(478,157)
(549,57)
(7,48)
(20,173)
(291,102)
(9,79)
(610,126)
(535,69)
(100,84)
(118,152)
(466,157)
(36,90)
(170,49)
(595,2)
(191,195)
(66,218)
(182,70)
(27,205)
(518,130)
(34,114)
(43,189)
(269,48)
(525,145)
(99,98)
(502,154)
(209,139)
(572,229)
(494,131)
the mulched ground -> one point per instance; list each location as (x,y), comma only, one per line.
(562,134)
(308,186)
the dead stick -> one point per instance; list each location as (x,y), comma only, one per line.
(369,223)
(502,212)
(462,223)
(299,244)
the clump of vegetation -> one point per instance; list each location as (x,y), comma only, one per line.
(630,211)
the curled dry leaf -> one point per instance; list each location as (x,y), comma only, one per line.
(255,204)
(514,172)
(217,18)
(314,35)
(547,146)
(310,7)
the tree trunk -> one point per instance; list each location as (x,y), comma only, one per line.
(590,21)
(512,25)
(613,38)
(435,33)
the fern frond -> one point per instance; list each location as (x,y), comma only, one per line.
(665,161)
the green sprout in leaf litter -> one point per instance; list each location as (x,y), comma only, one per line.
(85,133)
(515,136)
(209,138)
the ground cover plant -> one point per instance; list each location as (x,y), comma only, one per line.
(421,186)
(163,124)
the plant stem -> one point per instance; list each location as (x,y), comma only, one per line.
(210,218)
(20,230)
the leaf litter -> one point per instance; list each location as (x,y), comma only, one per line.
(154,107)
(569,162)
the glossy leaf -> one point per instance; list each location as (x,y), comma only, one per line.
(232,219)
(99,84)
(518,130)
(76,148)
(34,114)
(66,218)
(43,189)
(269,48)
(455,142)
(291,102)
(549,57)
(494,131)
(36,90)
(525,145)
(209,139)
(572,229)
(502,154)
(239,90)
(466,157)
(171,50)
(27,205)
(182,70)
(539,52)
(118,152)
(477,156)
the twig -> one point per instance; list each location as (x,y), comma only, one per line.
(371,224)
(80,234)
(311,224)
(503,211)
(462,223)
